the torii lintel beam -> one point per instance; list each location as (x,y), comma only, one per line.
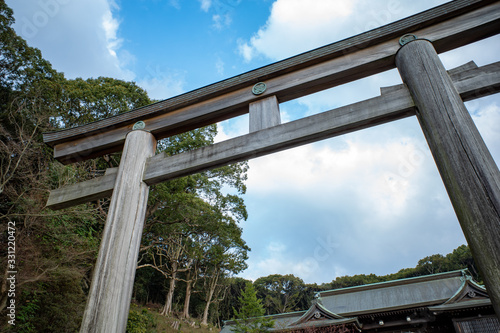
(448,26)
(394,103)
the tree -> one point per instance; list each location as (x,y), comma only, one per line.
(225,256)
(86,101)
(190,280)
(433,264)
(281,293)
(462,258)
(355,280)
(249,319)
(234,287)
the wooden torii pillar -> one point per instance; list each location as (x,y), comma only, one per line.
(469,173)
(113,277)
(431,93)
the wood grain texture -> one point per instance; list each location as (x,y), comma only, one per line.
(111,290)
(320,69)
(83,192)
(264,113)
(471,83)
(469,173)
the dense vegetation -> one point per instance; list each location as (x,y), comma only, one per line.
(191,247)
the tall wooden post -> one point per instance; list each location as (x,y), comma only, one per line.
(111,290)
(469,173)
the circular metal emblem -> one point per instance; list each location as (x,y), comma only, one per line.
(406,39)
(317,314)
(259,88)
(139,125)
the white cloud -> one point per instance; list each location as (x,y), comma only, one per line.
(486,116)
(219,66)
(205,5)
(349,93)
(54,26)
(344,155)
(296,26)
(293,27)
(382,175)
(99,48)
(222,21)
(460,56)
(232,128)
(175,4)
(277,261)
(276,247)
(162,87)
(246,50)
(110,26)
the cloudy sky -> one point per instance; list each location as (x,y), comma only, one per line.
(367,202)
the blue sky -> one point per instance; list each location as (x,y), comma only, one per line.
(368,202)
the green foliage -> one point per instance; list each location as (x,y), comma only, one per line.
(54,306)
(140,321)
(282,293)
(249,319)
(85,101)
(355,280)
(250,305)
(462,258)
(27,312)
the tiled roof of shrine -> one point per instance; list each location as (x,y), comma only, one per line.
(437,293)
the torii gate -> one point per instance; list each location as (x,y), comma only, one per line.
(435,96)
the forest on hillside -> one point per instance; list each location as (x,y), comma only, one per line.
(192,247)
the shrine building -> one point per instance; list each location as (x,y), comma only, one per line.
(444,302)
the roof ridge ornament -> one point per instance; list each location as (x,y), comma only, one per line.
(317,298)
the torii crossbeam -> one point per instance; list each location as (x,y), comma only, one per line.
(430,93)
